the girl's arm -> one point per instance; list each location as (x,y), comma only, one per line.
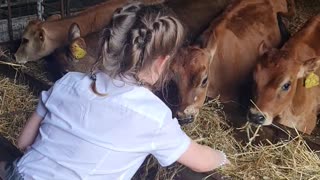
(202,158)
(29,132)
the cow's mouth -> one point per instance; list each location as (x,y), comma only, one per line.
(21,62)
(186,120)
(258,118)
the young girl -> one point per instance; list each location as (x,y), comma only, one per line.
(103,126)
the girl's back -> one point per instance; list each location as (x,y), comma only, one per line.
(84,134)
(103,126)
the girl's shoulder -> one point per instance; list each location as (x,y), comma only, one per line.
(71,78)
(144,102)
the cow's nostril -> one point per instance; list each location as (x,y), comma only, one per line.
(256,118)
(186,120)
(260,119)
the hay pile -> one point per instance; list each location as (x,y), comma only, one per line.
(291,159)
(16,104)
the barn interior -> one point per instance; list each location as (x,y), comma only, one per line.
(273,152)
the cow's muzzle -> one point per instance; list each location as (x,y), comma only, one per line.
(19,60)
(186,120)
(188,115)
(256,118)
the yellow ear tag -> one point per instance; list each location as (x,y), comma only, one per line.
(77,51)
(312,80)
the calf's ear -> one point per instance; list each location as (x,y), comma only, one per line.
(74,32)
(263,48)
(309,66)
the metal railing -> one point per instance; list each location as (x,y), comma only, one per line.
(41,5)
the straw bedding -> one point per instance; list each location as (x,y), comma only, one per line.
(291,159)
(16,104)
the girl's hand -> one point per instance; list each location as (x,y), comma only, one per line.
(203,158)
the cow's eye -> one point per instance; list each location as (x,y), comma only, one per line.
(204,82)
(286,86)
(24,40)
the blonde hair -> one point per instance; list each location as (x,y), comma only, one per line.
(136,36)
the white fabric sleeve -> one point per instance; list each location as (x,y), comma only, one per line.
(41,109)
(170,142)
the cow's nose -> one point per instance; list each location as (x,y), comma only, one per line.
(256,118)
(184,119)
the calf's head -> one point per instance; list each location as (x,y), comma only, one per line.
(33,43)
(276,78)
(191,69)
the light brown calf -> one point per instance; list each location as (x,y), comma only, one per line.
(40,39)
(280,80)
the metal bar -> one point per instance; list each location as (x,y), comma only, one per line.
(47,5)
(21,2)
(62,8)
(40,9)
(10,31)
(67,7)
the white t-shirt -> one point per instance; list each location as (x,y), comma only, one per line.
(86,136)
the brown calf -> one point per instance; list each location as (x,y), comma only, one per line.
(191,77)
(231,45)
(40,39)
(237,35)
(281,76)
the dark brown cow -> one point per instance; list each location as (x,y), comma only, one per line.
(282,90)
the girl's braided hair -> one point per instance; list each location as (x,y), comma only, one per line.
(136,36)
